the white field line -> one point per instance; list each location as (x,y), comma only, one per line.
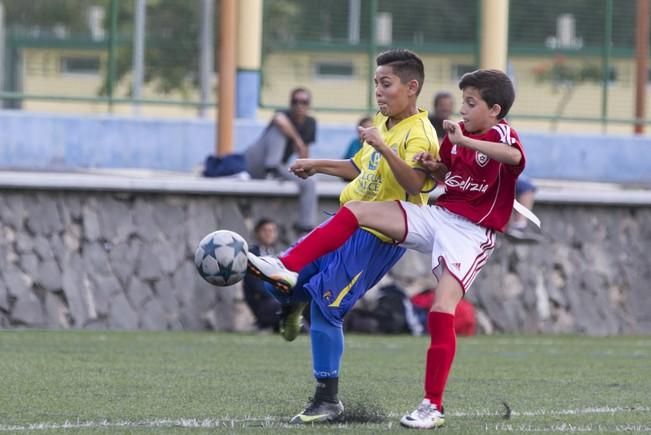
(236,423)
(543,412)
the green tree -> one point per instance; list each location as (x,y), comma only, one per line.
(281,21)
(415,22)
(172,34)
(171,44)
(43,16)
(532,21)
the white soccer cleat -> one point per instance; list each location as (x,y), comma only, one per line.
(272,270)
(426,416)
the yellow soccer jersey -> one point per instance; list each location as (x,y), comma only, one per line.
(376,181)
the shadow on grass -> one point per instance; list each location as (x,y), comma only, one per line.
(358,410)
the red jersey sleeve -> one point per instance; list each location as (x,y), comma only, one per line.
(503,133)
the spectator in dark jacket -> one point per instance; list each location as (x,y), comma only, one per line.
(264,307)
(443,108)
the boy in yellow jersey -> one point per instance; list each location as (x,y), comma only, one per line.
(333,283)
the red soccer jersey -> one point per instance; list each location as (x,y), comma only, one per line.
(479,188)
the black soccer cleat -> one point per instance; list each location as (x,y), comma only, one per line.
(319,411)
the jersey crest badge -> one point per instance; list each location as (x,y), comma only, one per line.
(374,161)
(481,159)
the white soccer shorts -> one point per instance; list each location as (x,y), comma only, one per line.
(454,241)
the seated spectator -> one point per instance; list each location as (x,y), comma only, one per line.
(264,307)
(442,109)
(356,144)
(289,133)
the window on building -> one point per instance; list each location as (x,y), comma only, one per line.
(459,69)
(334,70)
(80,65)
(613,75)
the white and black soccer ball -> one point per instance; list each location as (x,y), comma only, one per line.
(221,258)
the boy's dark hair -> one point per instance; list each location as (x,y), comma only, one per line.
(494,86)
(406,65)
(262,222)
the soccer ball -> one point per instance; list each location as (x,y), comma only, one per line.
(221,258)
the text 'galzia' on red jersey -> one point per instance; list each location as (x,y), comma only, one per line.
(476,187)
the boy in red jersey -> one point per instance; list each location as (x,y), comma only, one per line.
(483,157)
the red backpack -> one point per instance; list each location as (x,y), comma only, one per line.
(465,322)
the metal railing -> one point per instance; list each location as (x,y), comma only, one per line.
(573,62)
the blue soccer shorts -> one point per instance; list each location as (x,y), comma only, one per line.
(339,279)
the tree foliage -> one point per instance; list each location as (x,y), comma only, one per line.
(173,27)
(41,17)
(171,45)
(530,22)
(429,22)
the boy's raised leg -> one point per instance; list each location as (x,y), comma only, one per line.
(283,272)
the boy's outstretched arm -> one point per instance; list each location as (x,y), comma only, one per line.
(305,168)
(436,168)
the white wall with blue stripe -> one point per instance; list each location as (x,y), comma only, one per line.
(64,142)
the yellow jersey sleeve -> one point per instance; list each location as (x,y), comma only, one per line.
(376,181)
(357,158)
(421,138)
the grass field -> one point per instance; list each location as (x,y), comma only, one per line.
(137,382)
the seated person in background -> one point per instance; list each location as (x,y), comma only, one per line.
(264,307)
(356,144)
(525,192)
(442,109)
(289,132)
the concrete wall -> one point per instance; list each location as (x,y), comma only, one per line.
(106,251)
(47,141)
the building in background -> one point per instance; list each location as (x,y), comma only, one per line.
(565,77)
